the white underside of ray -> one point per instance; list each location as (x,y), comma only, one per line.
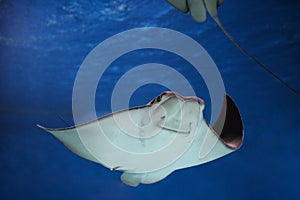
(132,139)
(148,143)
(192,157)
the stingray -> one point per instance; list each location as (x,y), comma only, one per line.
(149,142)
(210,6)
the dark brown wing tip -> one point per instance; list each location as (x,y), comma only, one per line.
(229,125)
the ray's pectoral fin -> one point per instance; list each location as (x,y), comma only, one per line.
(225,136)
(229,125)
(70,138)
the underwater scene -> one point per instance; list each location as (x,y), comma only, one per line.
(63,64)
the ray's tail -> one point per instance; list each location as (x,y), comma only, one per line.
(253,58)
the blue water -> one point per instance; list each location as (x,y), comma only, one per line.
(43,44)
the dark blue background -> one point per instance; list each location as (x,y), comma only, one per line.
(42,45)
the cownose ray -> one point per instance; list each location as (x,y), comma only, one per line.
(210,6)
(149,142)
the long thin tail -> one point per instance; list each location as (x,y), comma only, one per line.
(253,58)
